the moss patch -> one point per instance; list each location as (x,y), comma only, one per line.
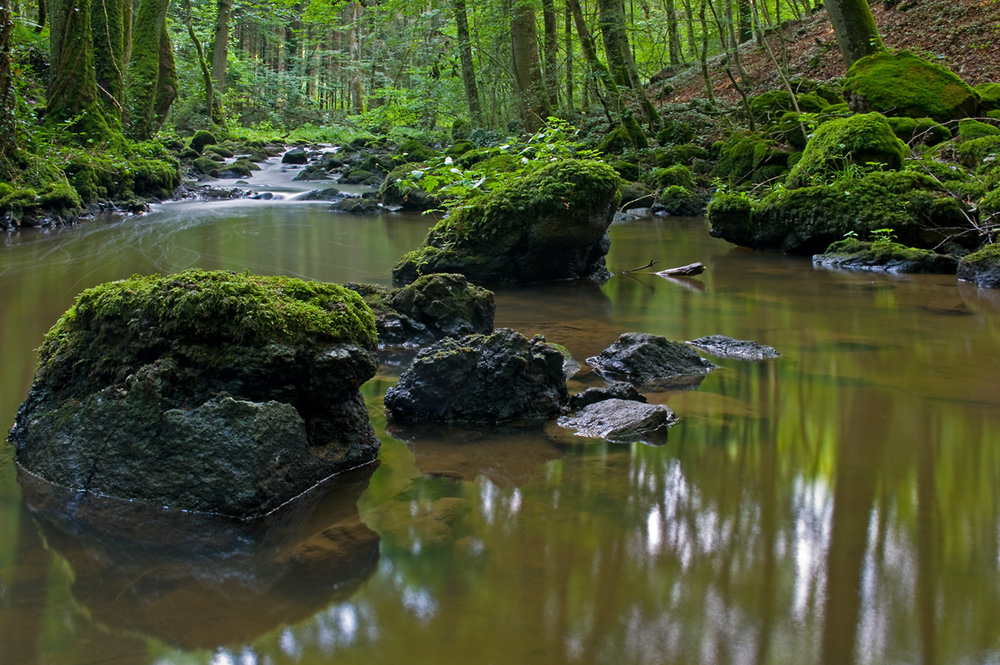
(855,254)
(863,141)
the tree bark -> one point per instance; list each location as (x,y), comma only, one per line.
(551,53)
(745,20)
(673,35)
(220,53)
(142,82)
(569,58)
(206,73)
(468,69)
(110,20)
(354,52)
(855,29)
(166,82)
(527,72)
(620,60)
(7,126)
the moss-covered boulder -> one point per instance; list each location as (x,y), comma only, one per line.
(807,220)
(481,379)
(201,139)
(982,267)
(549,225)
(748,157)
(396,192)
(680,201)
(431,308)
(207,391)
(989,97)
(854,254)
(412,150)
(905,84)
(863,142)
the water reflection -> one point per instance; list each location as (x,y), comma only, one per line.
(199,581)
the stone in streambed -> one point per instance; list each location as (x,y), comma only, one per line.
(650,360)
(207,391)
(740,349)
(622,421)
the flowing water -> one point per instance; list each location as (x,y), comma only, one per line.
(839,505)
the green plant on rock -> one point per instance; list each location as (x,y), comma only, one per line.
(861,141)
(883,236)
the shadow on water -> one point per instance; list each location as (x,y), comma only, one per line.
(199,581)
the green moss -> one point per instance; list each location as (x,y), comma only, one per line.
(627,170)
(129,323)
(675,132)
(746,156)
(201,139)
(988,255)
(6,189)
(989,97)
(220,150)
(61,198)
(677,200)
(18,200)
(989,206)
(931,133)
(904,84)
(969,129)
(903,127)
(771,104)
(678,175)
(976,152)
(863,141)
(413,150)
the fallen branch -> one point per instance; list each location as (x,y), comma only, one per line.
(689,270)
(652,262)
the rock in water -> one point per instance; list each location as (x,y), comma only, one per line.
(549,225)
(481,379)
(622,421)
(209,391)
(741,349)
(982,267)
(651,360)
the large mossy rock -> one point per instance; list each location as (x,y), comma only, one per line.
(549,225)
(806,220)
(854,254)
(982,267)
(905,84)
(863,142)
(431,308)
(207,391)
(481,379)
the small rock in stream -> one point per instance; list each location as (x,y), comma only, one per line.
(650,360)
(740,349)
(621,421)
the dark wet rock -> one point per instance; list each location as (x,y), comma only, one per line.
(357,205)
(650,360)
(360,176)
(618,390)
(195,580)
(210,193)
(295,156)
(982,268)
(326,194)
(621,420)
(852,254)
(163,390)
(741,349)
(549,225)
(263,196)
(481,379)
(313,172)
(431,308)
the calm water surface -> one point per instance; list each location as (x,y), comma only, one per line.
(839,505)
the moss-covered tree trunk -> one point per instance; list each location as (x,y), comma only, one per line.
(166,82)
(6,88)
(110,21)
(620,60)
(73,95)
(550,53)
(465,55)
(854,26)
(527,71)
(220,53)
(144,69)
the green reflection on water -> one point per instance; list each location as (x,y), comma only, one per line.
(837,505)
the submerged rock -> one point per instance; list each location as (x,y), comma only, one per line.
(295,156)
(357,205)
(207,391)
(326,194)
(617,390)
(481,379)
(853,254)
(651,360)
(431,308)
(982,268)
(741,349)
(620,420)
(550,225)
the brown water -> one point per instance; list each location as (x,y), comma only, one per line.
(839,505)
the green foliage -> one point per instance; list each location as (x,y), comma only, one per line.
(969,129)
(745,156)
(679,176)
(862,141)
(989,97)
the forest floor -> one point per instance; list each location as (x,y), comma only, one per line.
(963,35)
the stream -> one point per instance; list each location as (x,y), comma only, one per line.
(838,505)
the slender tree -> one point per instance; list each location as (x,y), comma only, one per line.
(620,60)
(465,56)
(220,53)
(527,72)
(551,53)
(855,29)
(111,25)
(7,123)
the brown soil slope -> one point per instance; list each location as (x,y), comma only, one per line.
(963,35)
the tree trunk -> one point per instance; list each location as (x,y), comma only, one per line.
(72,95)
(166,82)
(703,56)
(854,26)
(527,72)
(6,90)
(142,81)
(620,61)
(569,58)
(110,20)
(673,36)
(468,69)
(745,20)
(220,53)
(551,53)
(354,51)
(206,73)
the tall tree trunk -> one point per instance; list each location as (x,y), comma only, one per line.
(72,94)
(142,80)
(854,26)
(745,20)
(42,11)
(551,53)
(468,69)
(527,72)
(673,36)
(220,53)
(6,90)
(206,73)
(620,61)
(703,56)
(691,37)
(166,82)
(110,21)
(569,58)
